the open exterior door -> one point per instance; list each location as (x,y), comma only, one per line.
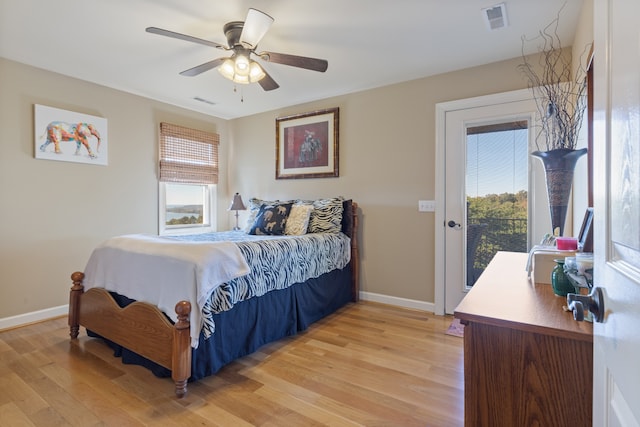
(616,352)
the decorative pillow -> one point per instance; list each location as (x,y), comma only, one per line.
(326,216)
(254,206)
(271,219)
(298,220)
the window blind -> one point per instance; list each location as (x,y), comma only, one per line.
(188,156)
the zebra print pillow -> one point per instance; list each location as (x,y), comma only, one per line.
(326,216)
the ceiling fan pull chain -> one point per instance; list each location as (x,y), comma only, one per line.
(235,89)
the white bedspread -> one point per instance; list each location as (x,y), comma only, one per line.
(163,271)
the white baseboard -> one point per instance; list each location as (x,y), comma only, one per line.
(49,313)
(400,302)
(33,317)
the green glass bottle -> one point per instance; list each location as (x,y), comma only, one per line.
(559,281)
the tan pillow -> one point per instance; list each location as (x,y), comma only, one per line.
(298,220)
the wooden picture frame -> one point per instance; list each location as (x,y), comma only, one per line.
(307,145)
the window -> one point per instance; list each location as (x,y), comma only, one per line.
(186,208)
(188,178)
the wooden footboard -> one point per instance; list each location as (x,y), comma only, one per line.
(139,327)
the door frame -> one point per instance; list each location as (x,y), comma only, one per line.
(440,181)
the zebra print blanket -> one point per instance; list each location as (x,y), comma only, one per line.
(276,262)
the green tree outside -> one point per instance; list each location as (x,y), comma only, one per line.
(505,217)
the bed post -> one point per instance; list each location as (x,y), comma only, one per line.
(355,256)
(74,304)
(181,352)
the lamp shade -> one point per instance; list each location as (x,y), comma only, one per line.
(236,204)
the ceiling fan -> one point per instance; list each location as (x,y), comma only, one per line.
(242,39)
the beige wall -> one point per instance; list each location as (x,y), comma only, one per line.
(54,213)
(581,48)
(387,155)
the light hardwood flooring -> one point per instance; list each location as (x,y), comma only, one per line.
(366,365)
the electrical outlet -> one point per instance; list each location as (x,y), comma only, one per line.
(426,205)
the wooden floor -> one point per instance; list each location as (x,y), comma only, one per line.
(367,365)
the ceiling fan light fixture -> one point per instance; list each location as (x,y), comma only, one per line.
(240,69)
(243,80)
(242,65)
(256,73)
(227,69)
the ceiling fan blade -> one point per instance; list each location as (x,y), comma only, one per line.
(267,82)
(167,33)
(202,67)
(313,64)
(255,27)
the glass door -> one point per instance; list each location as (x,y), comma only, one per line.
(496,193)
(488,195)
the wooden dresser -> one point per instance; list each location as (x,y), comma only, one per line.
(526,361)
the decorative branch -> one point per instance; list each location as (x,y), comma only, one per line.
(559,94)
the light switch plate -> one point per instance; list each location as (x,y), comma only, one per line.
(426,205)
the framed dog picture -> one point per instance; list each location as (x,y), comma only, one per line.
(69,136)
(307,145)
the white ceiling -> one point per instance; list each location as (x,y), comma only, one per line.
(368,43)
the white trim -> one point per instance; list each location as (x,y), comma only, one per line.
(33,317)
(400,302)
(441,110)
(50,313)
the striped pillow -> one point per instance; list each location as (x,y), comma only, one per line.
(326,216)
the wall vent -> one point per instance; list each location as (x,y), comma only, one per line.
(495,16)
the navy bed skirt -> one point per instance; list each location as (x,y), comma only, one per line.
(252,323)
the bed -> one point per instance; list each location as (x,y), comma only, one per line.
(195,339)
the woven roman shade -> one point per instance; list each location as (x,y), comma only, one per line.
(188,156)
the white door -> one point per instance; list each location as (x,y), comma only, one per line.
(616,391)
(453,120)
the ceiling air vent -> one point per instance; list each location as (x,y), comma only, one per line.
(495,16)
(206,101)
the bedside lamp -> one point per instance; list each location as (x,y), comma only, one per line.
(237,205)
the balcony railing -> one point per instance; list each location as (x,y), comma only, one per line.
(499,235)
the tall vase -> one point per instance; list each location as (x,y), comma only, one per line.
(558,166)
